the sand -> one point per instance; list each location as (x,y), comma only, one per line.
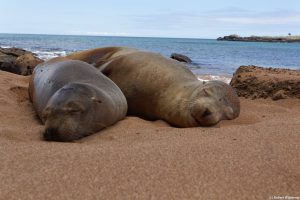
(256,156)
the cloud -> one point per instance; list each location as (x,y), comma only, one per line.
(174,20)
(215,23)
(262,20)
(275,17)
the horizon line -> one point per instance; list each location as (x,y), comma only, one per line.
(127,36)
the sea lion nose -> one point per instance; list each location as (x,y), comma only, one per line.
(51,134)
(206,113)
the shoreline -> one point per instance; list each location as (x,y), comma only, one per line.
(210,57)
(209,77)
(280,39)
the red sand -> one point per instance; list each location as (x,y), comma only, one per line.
(253,157)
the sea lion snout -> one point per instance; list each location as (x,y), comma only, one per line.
(213,102)
(205,114)
(51,134)
(63,123)
(54,134)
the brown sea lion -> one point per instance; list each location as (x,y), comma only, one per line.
(157,87)
(73,99)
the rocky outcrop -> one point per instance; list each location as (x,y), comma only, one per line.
(230,38)
(26,63)
(260,39)
(14,51)
(258,82)
(181,58)
(18,61)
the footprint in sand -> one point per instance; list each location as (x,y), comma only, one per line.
(21,93)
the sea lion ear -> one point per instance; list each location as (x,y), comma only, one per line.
(95,99)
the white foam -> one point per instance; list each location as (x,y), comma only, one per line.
(5,47)
(47,55)
(223,78)
(44,55)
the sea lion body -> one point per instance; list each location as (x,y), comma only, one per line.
(73,99)
(157,87)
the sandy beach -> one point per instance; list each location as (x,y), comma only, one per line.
(256,156)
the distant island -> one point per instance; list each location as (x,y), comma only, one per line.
(260,38)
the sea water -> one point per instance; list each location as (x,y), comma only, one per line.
(211,58)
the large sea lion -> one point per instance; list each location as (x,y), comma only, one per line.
(157,87)
(73,99)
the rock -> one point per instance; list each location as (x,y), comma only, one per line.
(279,95)
(230,38)
(260,38)
(181,58)
(26,63)
(4,58)
(7,62)
(14,51)
(18,61)
(258,82)
(9,67)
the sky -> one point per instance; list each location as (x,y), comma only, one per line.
(155,18)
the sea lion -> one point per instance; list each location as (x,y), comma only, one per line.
(73,99)
(157,87)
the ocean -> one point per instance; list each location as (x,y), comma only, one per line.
(211,58)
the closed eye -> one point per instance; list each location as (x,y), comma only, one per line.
(74,108)
(74,111)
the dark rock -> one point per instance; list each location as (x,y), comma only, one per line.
(18,61)
(258,82)
(260,39)
(9,67)
(7,62)
(14,51)
(4,58)
(181,58)
(229,38)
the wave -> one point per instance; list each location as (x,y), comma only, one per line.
(47,55)
(44,54)
(208,77)
(5,47)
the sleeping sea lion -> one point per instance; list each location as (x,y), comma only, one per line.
(73,99)
(157,87)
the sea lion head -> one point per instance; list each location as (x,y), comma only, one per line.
(213,102)
(71,113)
